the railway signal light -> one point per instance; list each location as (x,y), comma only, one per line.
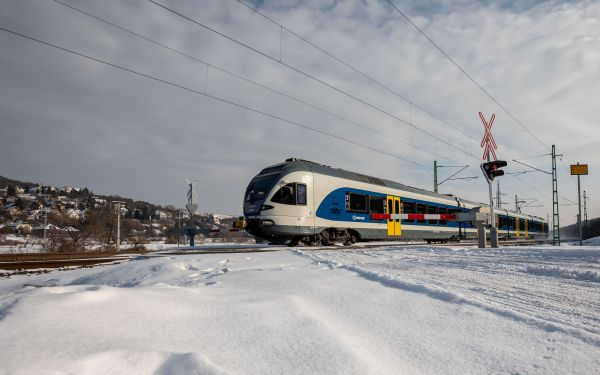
(491,169)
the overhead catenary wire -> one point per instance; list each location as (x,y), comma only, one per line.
(369,78)
(194,91)
(280,118)
(316,79)
(353,68)
(247,80)
(492,98)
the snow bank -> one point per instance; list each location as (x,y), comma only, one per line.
(423,310)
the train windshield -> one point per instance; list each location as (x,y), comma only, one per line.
(259,188)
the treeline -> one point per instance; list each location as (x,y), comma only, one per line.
(572,231)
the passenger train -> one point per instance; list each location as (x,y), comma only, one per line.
(301,201)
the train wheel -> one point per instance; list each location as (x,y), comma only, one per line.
(351,238)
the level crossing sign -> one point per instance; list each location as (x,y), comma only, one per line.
(488,143)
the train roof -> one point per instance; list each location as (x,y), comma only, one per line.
(294,165)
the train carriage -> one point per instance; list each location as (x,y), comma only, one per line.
(302,201)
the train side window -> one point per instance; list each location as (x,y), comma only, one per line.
(376,205)
(443,211)
(301,194)
(432,210)
(356,202)
(408,208)
(286,194)
(421,209)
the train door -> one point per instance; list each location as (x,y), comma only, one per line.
(393,207)
(526,222)
(517,227)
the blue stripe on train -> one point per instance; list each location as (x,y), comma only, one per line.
(333,207)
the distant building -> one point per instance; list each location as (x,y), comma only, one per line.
(160,215)
(72,214)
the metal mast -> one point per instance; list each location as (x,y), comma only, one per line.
(585,217)
(555,216)
(435,179)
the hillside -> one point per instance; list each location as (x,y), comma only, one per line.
(74,218)
(572,231)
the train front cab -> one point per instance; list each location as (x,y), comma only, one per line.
(279,207)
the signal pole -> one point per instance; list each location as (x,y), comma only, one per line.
(579,170)
(490,170)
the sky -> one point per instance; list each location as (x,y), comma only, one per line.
(237,95)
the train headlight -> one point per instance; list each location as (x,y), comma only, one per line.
(267,223)
(266,207)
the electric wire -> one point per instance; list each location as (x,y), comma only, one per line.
(247,80)
(354,69)
(194,91)
(465,73)
(316,79)
(308,76)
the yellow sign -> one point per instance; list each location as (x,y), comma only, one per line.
(579,169)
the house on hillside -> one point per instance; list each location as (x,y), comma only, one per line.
(24,228)
(99,202)
(160,215)
(72,214)
(4,192)
(19,190)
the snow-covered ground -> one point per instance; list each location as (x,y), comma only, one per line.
(389,310)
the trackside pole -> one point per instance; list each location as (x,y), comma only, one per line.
(493,231)
(579,216)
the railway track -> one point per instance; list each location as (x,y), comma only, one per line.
(29,261)
(37,261)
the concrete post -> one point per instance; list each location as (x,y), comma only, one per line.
(481,237)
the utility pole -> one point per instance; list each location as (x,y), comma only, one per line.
(579,205)
(178,226)
(45,222)
(498,195)
(555,203)
(579,170)
(518,203)
(118,206)
(585,217)
(435,174)
(555,215)
(435,180)
(191,207)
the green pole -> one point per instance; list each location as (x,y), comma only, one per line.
(555,216)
